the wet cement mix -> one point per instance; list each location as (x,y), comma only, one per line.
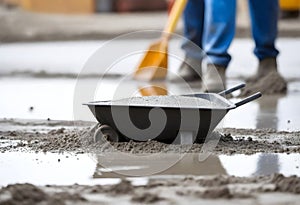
(79,139)
(272,83)
(65,137)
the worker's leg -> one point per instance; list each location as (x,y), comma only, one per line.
(191,67)
(193,28)
(219,29)
(264,18)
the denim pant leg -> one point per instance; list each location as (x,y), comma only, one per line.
(219,30)
(264,18)
(193,28)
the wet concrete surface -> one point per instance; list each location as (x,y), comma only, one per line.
(60,169)
(30,94)
(71,57)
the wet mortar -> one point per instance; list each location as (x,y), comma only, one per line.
(168,101)
(232,141)
(272,83)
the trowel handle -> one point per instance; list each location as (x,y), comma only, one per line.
(230,90)
(248,99)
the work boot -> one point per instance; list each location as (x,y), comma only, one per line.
(214,80)
(189,70)
(267,80)
(265,67)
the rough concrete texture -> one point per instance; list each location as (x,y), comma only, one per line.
(273,189)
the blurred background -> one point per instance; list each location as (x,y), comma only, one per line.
(24,20)
(290,8)
(87,6)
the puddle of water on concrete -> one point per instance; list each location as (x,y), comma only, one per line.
(49,98)
(50,168)
(237,165)
(67,169)
(261,164)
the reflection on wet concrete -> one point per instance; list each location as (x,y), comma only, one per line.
(261,164)
(267,112)
(67,169)
(238,165)
(279,112)
(267,118)
(267,164)
(153,89)
(157,164)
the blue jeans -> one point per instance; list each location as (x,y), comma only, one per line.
(210,24)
